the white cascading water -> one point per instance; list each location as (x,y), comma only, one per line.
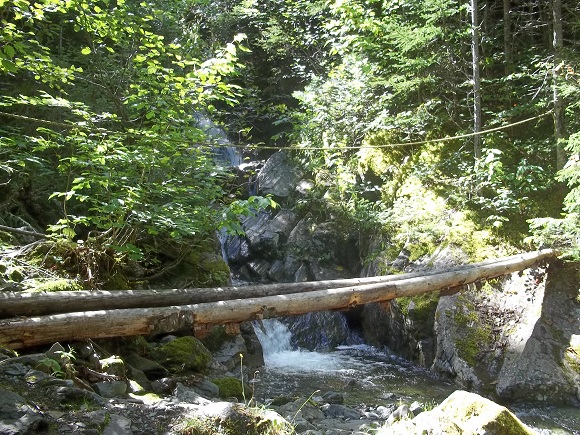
(278,353)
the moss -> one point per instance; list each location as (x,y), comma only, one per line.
(572,358)
(230,387)
(476,339)
(7,239)
(424,306)
(184,354)
(113,366)
(477,334)
(50,286)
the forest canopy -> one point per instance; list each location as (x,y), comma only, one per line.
(102,105)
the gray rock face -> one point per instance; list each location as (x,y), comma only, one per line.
(449,332)
(279,176)
(542,359)
(518,337)
(410,336)
(265,233)
(321,330)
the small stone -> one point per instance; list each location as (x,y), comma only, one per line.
(385,411)
(207,389)
(189,395)
(340,411)
(167,339)
(118,425)
(111,389)
(333,397)
(55,352)
(163,386)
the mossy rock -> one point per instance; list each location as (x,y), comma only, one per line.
(420,308)
(230,387)
(211,269)
(58,285)
(477,336)
(7,239)
(223,418)
(113,366)
(463,413)
(184,354)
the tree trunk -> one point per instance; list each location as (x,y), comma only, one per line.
(475,58)
(21,332)
(559,128)
(507,38)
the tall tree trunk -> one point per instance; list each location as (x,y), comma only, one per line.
(557,43)
(507,37)
(475,57)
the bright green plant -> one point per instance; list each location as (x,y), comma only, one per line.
(63,367)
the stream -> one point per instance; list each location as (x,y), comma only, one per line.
(370,377)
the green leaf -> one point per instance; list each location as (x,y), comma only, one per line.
(86,51)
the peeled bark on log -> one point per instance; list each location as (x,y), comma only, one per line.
(17,333)
(40,304)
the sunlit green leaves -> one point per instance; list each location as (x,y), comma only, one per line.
(130,156)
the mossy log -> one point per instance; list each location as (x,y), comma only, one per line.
(13,304)
(21,332)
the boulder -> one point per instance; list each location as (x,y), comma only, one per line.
(110,389)
(279,176)
(234,418)
(460,339)
(323,330)
(515,336)
(151,369)
(266,233)
(184,354)
(542,359)
(340,411)
(462,413)
(189,395)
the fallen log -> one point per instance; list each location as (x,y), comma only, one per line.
(17,333)
(13,304)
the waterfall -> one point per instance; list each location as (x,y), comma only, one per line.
(275,338)
(223,151)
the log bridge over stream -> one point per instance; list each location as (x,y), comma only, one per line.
(30,319)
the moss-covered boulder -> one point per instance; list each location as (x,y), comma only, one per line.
(184,354)
(223,418)
(230,387)
(462,413)
(113,366)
